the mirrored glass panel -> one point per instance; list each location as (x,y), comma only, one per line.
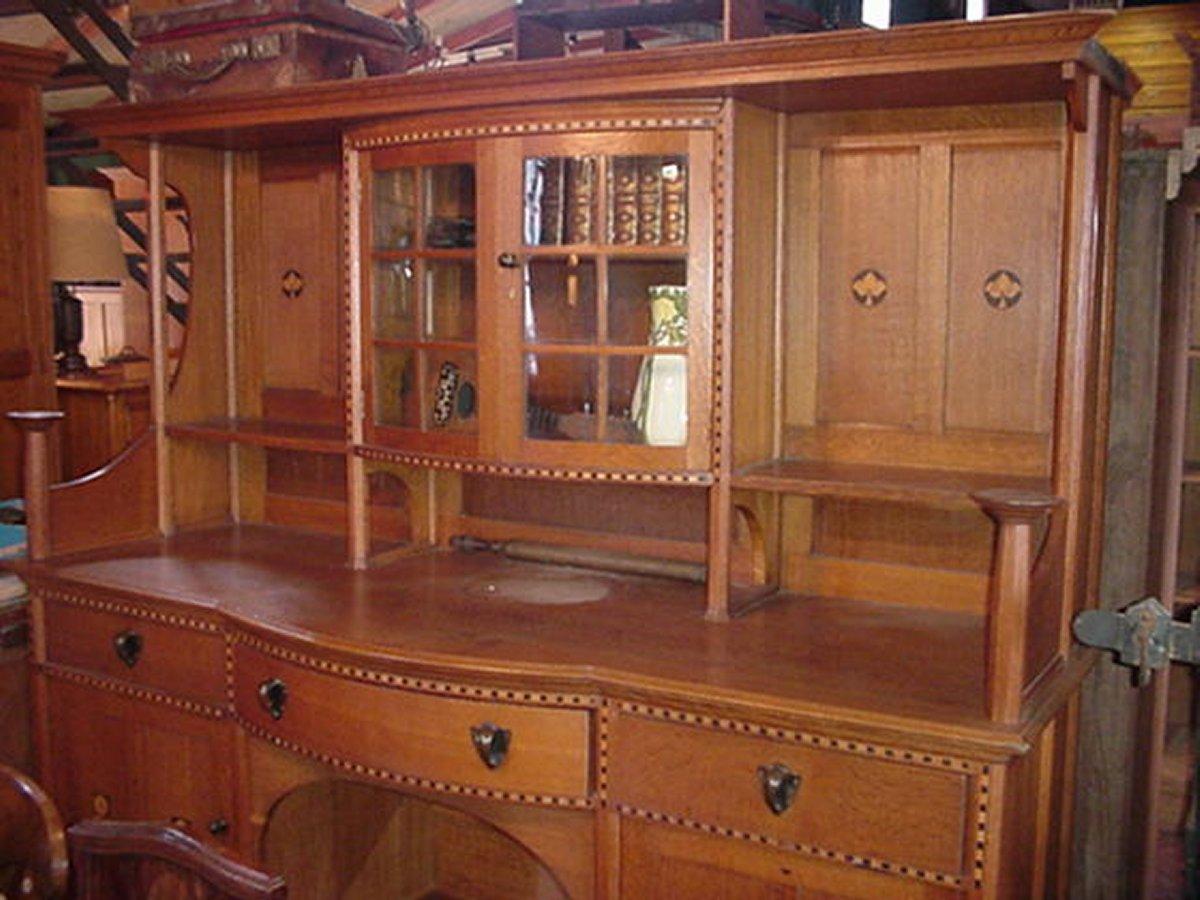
(450,300)
(560,300)
(561,200)
(453,383)
(395,299)
(395,209)
(647,200)
(560,397)
(396,388)
(636,292)
(449,207)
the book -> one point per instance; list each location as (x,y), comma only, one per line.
(623,201)
(580,200)
(674,203)
(650,200)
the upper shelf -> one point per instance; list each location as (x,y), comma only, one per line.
(312,438)
(1007,59)
(940,488)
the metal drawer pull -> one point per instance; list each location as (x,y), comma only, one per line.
(128,645)
(218,827)
(780,785)
(273,694)
(491,743)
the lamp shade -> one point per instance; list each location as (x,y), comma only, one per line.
(83,239)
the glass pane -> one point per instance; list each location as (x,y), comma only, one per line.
(560,300)
(397,398)
(395,209)
(648,400)
(561,397)
(561,200)
(450,300)
(395,301)
(647,200)
(454,390)
(450,206)
(640,289)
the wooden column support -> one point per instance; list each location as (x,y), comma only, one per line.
(1017,515)
(36,425)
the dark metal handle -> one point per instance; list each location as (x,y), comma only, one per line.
(218,827)
(508,261)
(273,694)
(128,645)
(779,785)
(491,743)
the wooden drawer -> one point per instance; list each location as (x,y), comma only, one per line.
(420,737)
(849,806)
(175,659)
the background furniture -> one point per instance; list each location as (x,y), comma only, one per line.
(32,845)
(874,691)
(104,413)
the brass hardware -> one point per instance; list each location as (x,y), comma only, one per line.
(573,281)
(218,827)
(491,743)
(1003,289)
(181,823)
(128,645)
(508,261)
(273,694)
(101,806)
(292,284)
(779,785)
(869,288)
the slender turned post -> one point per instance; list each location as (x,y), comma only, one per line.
(36,425)
(1017,515)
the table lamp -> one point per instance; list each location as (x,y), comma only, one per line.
(84,249)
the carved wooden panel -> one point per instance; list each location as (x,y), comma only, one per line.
(1004,286)
(867,294)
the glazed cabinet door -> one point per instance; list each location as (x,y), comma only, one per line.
(603,275)
(418,228)
(120,758)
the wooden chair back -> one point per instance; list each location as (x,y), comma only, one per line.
(119,860)
(33,853)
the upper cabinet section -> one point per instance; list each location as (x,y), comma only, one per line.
(541,293)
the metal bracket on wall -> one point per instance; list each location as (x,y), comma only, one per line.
(1143,636)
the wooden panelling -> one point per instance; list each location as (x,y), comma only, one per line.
(868,223)
(121,758)
(1005,216)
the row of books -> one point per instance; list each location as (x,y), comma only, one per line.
(646,201)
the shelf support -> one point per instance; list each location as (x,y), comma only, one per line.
(1018,516)
(36,425)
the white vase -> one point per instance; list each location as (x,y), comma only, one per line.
(660,397)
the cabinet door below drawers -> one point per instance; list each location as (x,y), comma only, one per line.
(114,757)
(846,805)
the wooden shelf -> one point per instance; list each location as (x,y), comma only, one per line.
(308,437)
(465,254)
(1187,591)
(942,488)
(612,251)
(1191,473)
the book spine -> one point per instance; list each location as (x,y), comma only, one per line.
(552,201)
(675,206)
(650,200)
(581,200)
(623,203)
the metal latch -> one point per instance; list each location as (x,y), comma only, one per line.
(1144,636)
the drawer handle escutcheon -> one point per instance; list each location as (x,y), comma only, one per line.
(273,694)
(780,785)
(128,645)
(491,743)
(218,827)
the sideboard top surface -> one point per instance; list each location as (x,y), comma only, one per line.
(889,670)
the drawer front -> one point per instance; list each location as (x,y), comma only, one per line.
(416,735)
(177,660)
(846,804)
